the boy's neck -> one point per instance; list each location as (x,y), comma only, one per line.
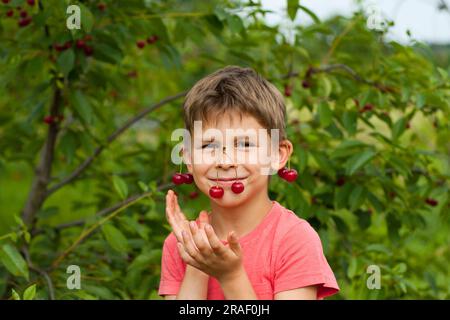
(241,219)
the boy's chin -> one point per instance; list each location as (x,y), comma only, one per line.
(230,199)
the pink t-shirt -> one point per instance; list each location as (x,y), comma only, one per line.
(282,253)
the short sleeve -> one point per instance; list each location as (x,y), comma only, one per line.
(172,268)
(300,262)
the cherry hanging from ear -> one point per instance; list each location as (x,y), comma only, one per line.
(237,186)
(188,178)
(178,178)
(291,175)
(288,174)
(282,172)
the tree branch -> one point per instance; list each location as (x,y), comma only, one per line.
(72,176)
(339,66)
(51,288)
(38,192)
(102,212)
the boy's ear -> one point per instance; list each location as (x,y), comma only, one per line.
(285,151)
(186,155)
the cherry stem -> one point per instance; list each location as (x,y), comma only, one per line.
(181,166)
(289,164)
(217,179)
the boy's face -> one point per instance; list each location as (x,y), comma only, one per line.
(235,148)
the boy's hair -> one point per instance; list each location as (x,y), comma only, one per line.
(234,88)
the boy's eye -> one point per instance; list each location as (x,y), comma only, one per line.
(209,145)
(244,144)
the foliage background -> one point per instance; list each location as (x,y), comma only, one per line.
(368,118)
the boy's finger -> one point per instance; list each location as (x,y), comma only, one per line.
(185,256)
(234,243)
(200,241)
(190,247)
(215,243)
(203,218)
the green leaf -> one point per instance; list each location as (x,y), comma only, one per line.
(87,18)
(66,61)
(349,120)
(325,113)
(302,156)
(358,161)
(15,295)
(13,261)
(120,186)
(352,268)
(292,7)
(357,197)
(83,107)
(398,128)
(108,54)
(364,219)
(341,226)
(235,23)
(30,292)
(115,238)
(143,186)
(310,13)
(393,224)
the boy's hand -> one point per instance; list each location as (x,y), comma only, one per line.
(210,255)
(177,219)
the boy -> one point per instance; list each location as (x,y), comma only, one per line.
(248,246)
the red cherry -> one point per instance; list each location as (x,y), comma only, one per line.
(5,1)
(367,107)
(140,44)
(132,74)
(193,195)
(216,192)
(67,45)
(288,90)
(24,22)
(282,172)
(49,119)
(152,39)
(290,175)
(58,47)
(10,13)
(101,6)
(80,44)
(237,187)
(31,2)
(431,202)
(306,84)
(88,51)
(23,14)
(178,178)
(340,181)
(188,178)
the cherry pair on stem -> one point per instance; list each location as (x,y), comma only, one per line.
(218,192)
(199,246)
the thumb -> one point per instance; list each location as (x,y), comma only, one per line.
(203,218)
(234,243)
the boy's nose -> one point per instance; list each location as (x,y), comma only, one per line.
(225,161)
